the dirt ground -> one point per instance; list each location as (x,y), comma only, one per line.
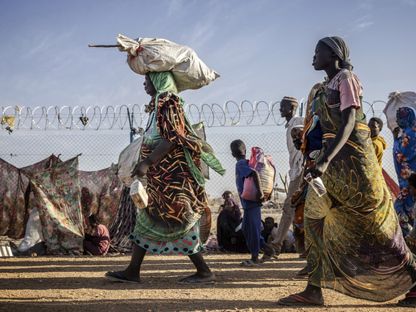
(77,284)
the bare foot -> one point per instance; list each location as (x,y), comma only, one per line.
(311,296)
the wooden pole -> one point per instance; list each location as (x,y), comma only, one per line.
(104,45)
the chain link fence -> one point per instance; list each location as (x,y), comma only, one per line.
(99,134)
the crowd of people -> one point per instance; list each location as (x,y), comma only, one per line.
(354,239)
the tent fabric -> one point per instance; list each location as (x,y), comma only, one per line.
(100,193)
(12,200)
(41,165)
(57,196)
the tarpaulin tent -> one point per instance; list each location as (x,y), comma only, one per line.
(100,193)
(54,188)
(13,184)
(58,199)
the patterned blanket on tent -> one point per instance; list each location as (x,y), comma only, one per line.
(100,194)
(13,185)
(57,196)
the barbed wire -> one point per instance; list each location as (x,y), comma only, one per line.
(230,114)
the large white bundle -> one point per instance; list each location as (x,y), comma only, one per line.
(127,160)
(397,100)
(158,55)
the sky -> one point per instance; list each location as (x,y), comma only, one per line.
(262,49)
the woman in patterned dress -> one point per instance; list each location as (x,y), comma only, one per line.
(353,237)
(177,219)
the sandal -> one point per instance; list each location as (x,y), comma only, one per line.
(250,263)
(197,280)
(297,300)
(408,301)
(117,276)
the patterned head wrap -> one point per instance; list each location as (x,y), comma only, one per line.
(340,48)
(406,117)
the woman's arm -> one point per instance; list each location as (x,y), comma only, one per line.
(343,134)
(161,150)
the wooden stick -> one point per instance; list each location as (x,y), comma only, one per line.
(104,45)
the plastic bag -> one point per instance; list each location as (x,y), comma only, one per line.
(317,184)
(263,164)
(158,55)
(250,191)
(138,194)
(128,158)
(397,100)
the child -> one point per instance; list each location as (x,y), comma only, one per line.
(252,209)
(376,125)
(97,241)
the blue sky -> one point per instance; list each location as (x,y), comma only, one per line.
(262,49)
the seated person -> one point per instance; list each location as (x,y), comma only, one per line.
(270,235)
(97,238)
(228,220)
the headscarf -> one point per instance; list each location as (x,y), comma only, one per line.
(406,117)
(163,82)
(340,48)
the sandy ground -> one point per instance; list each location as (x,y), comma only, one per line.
(77,284)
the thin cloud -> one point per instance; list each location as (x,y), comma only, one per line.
(362,23)
(411,3)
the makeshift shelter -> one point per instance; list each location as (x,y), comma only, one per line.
(58,199)
(100,193)
(41,165)
(13,185)
(52,188)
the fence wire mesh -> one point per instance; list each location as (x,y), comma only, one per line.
(99,134)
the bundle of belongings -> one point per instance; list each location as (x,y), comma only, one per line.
(396,101)
(159,55)
(47,204)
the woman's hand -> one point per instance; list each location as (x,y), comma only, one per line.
(141,168)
